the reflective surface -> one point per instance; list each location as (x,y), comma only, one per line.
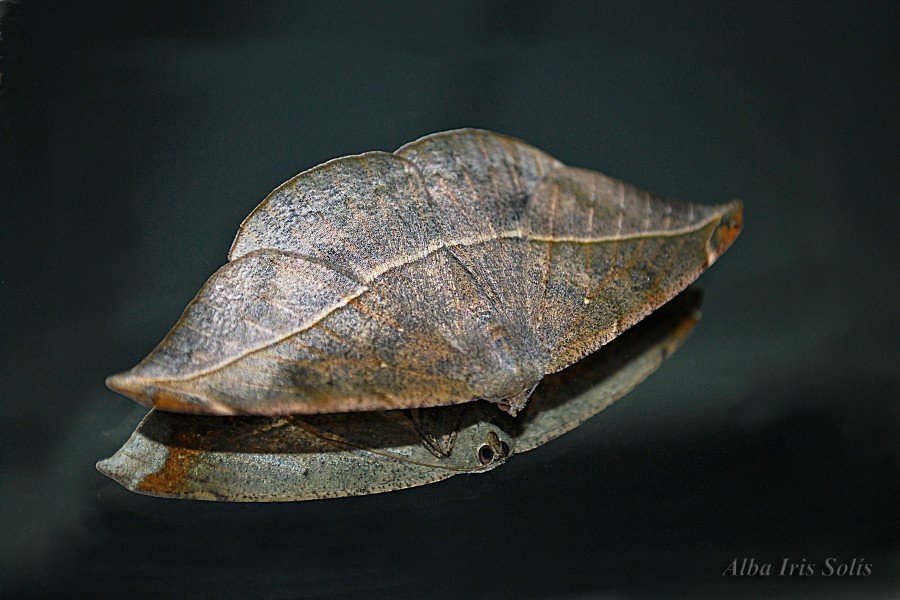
(135,139)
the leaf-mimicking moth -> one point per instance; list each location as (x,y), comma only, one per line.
(367,303)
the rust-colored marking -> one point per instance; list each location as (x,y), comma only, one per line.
(168,400)
(171,478)
(727,230)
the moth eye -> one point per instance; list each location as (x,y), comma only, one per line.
(504,448)
(485,454)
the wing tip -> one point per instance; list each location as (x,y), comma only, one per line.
(128,385)
(728,228)
(152,395)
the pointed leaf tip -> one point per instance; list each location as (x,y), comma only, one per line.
(125,384)
(727,230)
(146,393)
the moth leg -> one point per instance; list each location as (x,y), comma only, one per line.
(439,443)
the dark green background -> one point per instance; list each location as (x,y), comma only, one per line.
(136,136)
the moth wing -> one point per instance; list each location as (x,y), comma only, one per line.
(273,459)
(480,184)
(246,306)
(358,214)
(275,333)
(566,399)
(479,181)
(603,254)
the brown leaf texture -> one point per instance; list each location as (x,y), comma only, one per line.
(467,265)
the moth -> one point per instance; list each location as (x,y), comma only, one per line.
(465,266)
(305,457)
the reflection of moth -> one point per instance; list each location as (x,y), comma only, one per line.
(466,265)
(284,458)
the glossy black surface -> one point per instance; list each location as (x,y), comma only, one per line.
(135,137)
